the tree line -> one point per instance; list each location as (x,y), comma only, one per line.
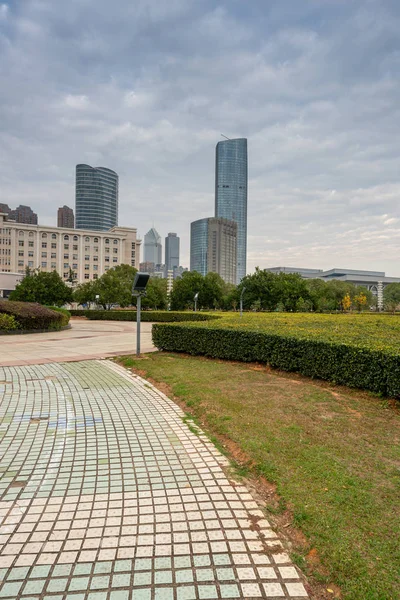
(261,290)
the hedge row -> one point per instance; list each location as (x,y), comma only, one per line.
(374,370)
(31,316)
(149,316)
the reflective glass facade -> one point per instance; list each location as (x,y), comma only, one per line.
(96,198)
(199,246)
(152,247)
(171,251)
(231,192)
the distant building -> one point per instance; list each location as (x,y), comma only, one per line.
(231,193)
(199,246)
(171,251)
(96,198)
(146,267)
(65,217)
(152,247)
(213,248)
(88,253)
(368,279)
(5,209)
(178,271)
(305,273)
(22,214)
(8,283)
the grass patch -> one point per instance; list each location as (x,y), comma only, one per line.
(332,453)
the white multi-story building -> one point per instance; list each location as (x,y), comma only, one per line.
(87,253)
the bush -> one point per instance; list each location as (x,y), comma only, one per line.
(64,312)
(31,316)
(366,368)
(153,316)
(8,322)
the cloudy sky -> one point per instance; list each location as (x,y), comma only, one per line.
(146,87)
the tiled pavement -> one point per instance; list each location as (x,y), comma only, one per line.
(84,340)
(106,494)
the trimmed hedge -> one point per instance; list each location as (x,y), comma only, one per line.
(374,370)
(64,312)
(8,323)
(154,316)
(31,316)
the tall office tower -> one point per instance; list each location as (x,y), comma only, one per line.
(65,217)
(213,247)
(231,192)
(171,251)
(152,247)
(96,198)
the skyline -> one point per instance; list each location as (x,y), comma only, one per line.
(148,92)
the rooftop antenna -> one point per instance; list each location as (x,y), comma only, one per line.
(225,136)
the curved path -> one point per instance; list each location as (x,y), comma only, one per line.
(85,340)
(106,494)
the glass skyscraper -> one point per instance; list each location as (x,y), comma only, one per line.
(231,192)
(213,247)
(199,246)
(152,247)
(96,198)
(171,252)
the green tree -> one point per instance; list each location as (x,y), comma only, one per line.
(156,294)
(44,288)
(184,289)
(268,290)
(113,287)
(212,291)
(391,297)
(85,293)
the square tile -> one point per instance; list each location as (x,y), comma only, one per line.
(186,593)
(273,589)
(229,591)
(207,592)
(296,589)
(251,590)
(10,590)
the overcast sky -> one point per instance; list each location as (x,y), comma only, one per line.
(146,87)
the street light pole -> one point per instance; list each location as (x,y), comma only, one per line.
(139,290)
(138,309)
(195,301)
(241,301)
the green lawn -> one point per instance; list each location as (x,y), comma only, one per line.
(333,454)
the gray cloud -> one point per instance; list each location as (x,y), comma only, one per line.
(147,87)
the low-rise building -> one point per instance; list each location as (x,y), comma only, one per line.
(87,253)
(368,279)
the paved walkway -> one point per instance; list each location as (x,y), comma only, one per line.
(106,494)
(85,340)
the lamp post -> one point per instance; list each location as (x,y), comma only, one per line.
(195,301)
(139,290)
(241,301)
(97,300)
